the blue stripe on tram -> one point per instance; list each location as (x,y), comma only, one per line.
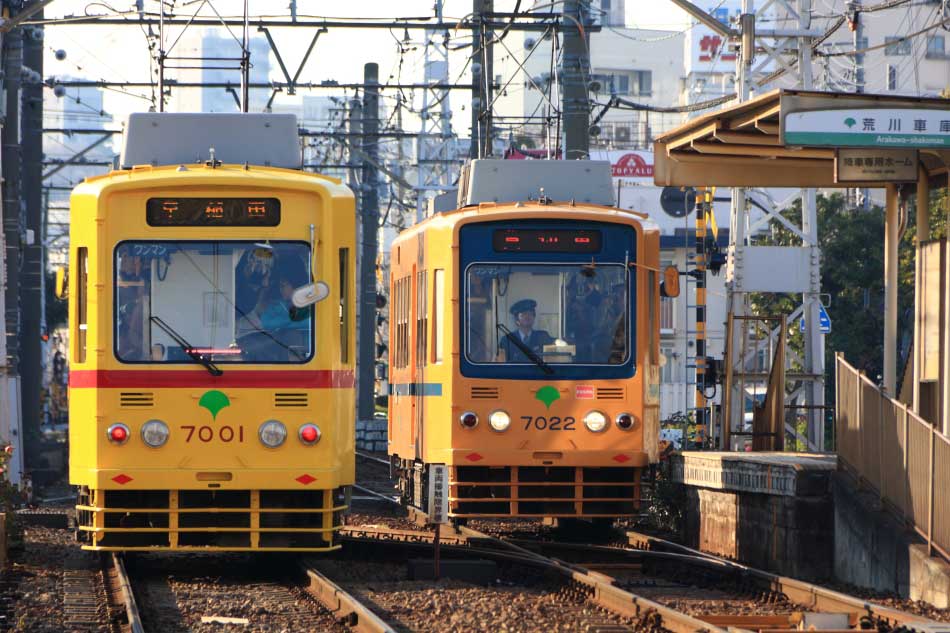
(416,389)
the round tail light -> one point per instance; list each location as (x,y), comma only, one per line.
(468,420)
(118,433)
(309,434)
(626,421)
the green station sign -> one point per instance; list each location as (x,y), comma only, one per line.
(898,128)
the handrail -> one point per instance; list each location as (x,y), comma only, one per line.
(895,452)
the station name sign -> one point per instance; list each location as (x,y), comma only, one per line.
(898,128)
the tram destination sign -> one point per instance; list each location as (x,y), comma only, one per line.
(907,128)
(875,165)
(212,212)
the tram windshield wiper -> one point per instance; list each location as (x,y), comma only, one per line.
(527,351)
(213,369)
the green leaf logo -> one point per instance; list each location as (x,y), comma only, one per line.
(214,401)
(547,395)
(850,122)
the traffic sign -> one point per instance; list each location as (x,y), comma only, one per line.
(824,321)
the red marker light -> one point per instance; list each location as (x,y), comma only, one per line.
(512,240)
(582,240)
(309,434)
(118,434)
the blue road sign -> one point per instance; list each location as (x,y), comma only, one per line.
(824,321)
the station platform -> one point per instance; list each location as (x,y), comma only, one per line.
(789,474)
(774,511)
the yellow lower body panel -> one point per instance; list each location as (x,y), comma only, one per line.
(211,520)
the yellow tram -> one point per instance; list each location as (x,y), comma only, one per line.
(524,347)
(211,341)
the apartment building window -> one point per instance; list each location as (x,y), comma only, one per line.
(636,83)
(896,46)
(891,77)
(936,47)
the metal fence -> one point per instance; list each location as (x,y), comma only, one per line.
(891,449)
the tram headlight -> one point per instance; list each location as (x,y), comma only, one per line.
(272,433)
(118,433)
(499,420)
(468,420)
(309,434)
(155,433)
(626,421)
(595,421)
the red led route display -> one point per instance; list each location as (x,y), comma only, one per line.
(546,241)
(213,212)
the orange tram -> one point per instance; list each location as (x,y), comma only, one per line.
(524,348)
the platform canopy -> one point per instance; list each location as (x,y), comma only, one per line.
(789,138)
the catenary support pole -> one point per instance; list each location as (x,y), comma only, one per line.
(369,229)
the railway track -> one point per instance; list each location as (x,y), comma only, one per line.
(672,587)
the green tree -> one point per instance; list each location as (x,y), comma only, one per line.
(852,283)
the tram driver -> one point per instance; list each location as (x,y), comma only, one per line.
(524,313)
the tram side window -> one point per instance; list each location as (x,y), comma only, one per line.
(82,292)
(401,309)
(438,301)
(344,304)
(422,319)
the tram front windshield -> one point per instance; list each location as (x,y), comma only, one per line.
(225,301)
(572,314)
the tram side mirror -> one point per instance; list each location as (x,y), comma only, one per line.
(310,294)
(670,286)
(61,286)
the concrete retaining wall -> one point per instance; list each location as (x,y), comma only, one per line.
(372,435)
(874,551)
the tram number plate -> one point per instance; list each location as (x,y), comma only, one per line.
(209,434)
(553,423)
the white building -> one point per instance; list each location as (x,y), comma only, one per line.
(215,58)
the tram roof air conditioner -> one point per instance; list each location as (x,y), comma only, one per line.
(499,180)
(180,138)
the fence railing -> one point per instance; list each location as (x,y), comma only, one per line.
(891,449)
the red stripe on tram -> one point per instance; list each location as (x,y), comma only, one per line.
(154,379)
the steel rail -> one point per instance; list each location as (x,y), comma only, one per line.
(128,598)
(366,455)
(799,591)
(602,590)
(390,499)
(343,605)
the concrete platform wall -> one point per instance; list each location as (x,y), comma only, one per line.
(791,536)
(872,550)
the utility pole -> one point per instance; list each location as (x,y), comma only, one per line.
(575,73)
(369,231)
(31,271)
(857,39)
(482,69)
(12,235)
